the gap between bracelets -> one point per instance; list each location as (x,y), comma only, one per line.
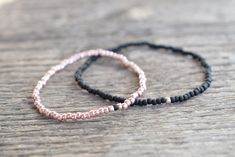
(92,113)
(160,100)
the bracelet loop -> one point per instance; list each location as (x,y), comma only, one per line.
(92,113)
(141,102)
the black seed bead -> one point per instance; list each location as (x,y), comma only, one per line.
(204,87)
(181,98)
(209,84)
(144,102)
(85,87)
(119,99)
(132,104)
(135,103)
(172,99)
(115,107)
(115,98)
(98,92)
(154,102)
(102,95)
(196,92)
(93,91)
(209,79)
(122,100)
(176,99)
(149,101)
(139,102)
(201,89)
(191,94)
(158,101)
(89,90)
(109,97)
(163,100)
(105,96)
(185,97)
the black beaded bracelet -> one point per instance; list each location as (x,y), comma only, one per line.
(143,102)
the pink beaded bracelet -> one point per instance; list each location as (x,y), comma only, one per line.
(92,113)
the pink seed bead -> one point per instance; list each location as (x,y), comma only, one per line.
(132,100)
(87,115)
(47,112)
(168,100)
(134,95)
(92,113)
(106,110)
(83,116)
(78,115)
(125,106)
(101,110)
(97,112)
(68,115)
(111,109)
(128,102)
(59,117)
(63,117)
(73,116)
(119,106)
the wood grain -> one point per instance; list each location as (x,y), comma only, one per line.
(35,35)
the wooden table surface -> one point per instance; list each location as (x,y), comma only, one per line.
(36,35)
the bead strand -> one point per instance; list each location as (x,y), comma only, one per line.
(92,113)
(155,101)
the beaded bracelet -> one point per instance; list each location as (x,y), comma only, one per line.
(160,100)
(86,115)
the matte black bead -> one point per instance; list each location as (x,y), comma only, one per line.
(115,107)
(93,91)
(102,95)
(158,101)
(172,99)
(139,102)
(185,97)
(201,90)
(163,100)
(115,98)
(85,87)
(181,98)
(122,99)
(110,97)
(176,99)
(204,87)
(144,102)
(119,99)
(191,94)
(154,102)
(196,92)
(209,79)
(149,101)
